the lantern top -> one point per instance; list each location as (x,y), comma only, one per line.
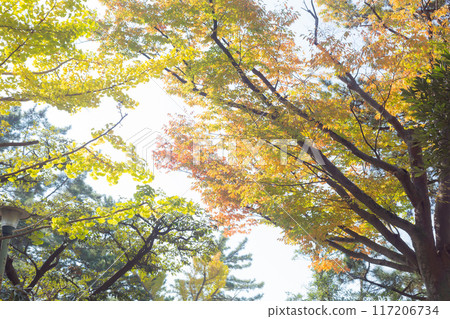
(11,215)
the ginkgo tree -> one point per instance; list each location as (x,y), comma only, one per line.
(315,135)
(79,244)
(50,57)
(204,281)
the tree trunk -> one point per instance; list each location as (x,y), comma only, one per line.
(436,276)
(440,277)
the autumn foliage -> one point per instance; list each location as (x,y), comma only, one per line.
(339,85)
(324,133)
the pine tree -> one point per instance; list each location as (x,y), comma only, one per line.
(235,259)
(360,283)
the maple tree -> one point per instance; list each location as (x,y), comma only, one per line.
(364,188)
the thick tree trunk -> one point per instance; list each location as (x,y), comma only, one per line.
(435,272)
(434,258)
(437,279)
(442,214)
(442,287)
(441,277)
(442,229)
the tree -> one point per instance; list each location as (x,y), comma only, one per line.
(362,283)
(126,262)
(27,170)
(71,254)
(44,57)
(351,179)
(234,260)
(325,286)
(204,279)
(211,278)
(160,245)
(43,61)
(429,97)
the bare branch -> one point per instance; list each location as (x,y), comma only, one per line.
(15,144)
(381,262)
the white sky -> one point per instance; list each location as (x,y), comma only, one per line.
(272,260)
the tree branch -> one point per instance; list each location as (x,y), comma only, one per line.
(28,38)
(145,249)
(5,177)
(11,272)
(392,238)
(381,262)
(49,264)
(43,72)
(414,297)
(376,247)
(14,144)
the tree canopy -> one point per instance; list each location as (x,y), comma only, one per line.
(339,136)
(353,179)
(78,244)
(70,250)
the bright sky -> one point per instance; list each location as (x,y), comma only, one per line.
(272,260)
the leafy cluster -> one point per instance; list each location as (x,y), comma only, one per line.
(429,96)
